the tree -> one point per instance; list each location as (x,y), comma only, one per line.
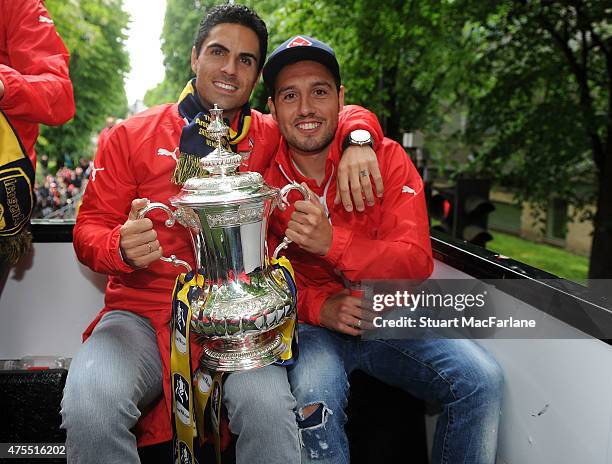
(180,26)
(94,33)
(539,100)
(394,55)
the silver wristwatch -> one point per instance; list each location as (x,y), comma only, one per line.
(359,137)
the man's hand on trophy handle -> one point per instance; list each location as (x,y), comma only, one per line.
(357,166)
(138,240)
(282,202)
(309,226)
(138,205)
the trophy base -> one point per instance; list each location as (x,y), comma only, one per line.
(240,354)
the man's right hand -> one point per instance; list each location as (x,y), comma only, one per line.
(344,313)
(138,242)
(357,166)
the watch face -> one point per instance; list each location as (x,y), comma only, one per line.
(360,136)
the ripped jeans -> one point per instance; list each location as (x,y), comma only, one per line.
(457,374)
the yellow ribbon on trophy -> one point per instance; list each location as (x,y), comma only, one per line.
(282,269)
(192,394)
(183,404)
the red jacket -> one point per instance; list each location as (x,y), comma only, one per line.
(389,240)
(34,71)
(137,160)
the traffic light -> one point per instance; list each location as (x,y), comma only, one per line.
(441,209)
(473,209)
(463,210)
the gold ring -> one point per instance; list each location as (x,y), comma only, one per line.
(150,249)
(363,173)
(359,323)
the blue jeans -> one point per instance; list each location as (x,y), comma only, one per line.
(458,374)
(117,372)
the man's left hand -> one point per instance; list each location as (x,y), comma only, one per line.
(309,227)
(344,313)
(357,165)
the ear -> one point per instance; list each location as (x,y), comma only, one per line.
(194,58)
(272,108)
(341,98)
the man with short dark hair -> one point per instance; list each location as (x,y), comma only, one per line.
(334,250)
(123,367)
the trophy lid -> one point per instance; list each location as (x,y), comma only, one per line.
(223,190)
(222,184)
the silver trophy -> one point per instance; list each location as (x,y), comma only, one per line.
(244,300)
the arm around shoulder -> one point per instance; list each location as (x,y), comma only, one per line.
(358,168)
(401,246)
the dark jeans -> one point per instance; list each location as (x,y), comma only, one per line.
(458,374)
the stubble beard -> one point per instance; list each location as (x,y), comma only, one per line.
(311,144)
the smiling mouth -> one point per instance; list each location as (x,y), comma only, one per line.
(224,86)
(307,126)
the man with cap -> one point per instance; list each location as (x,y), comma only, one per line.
(334,250)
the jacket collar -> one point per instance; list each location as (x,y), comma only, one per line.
(291,173)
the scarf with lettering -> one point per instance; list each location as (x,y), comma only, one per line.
(194,143)
(16,194)
(196,395)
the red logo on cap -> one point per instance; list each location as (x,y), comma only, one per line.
(299,42)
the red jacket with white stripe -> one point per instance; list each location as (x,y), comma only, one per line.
(34,71)
(137,160)
(389,240)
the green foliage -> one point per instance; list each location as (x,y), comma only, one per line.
(180,26)
(480,78)
(94,33)
(546,257)
(538,99)
(394,55)
(164,92)
(538,95)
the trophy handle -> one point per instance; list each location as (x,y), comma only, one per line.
(169,223)
(283,203)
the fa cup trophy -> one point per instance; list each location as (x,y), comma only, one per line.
(244,300)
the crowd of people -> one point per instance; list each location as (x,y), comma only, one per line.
(58,195)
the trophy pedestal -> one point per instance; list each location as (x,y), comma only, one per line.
(239,354)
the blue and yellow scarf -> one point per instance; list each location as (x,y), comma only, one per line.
(194,144)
